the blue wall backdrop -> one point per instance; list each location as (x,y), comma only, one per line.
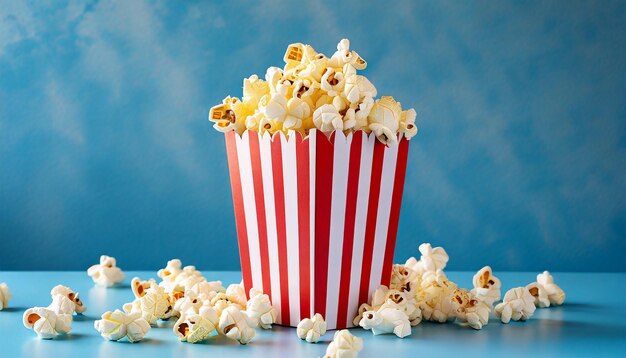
(105,147)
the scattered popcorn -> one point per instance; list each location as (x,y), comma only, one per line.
(386,320)
(153,305)
(236,325)
(116,325)
(470,309)
(170,273)
(433,259)
(196,327)
(518,305)
(139,287)
(189,304)
(555,294)
(5,296)
(106,274)
(314,91)
(236,294)
(486,286)
(260,310)
(311,329)
(434,297)
(64,300)
(539,293)
(46,323)
(404,279)
(344,345)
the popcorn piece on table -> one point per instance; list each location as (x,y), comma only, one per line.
(236,325)
(46,323)
(5,296)
(196,327)
(139,287)
(260,310)
(106,273)
(66,301)
(236,294)
(386,320)
(433,259)
(154,305)
(470,309)
(116,325)
(189,304)
(434,297)
(518,305)
(311,329)
(486,286)
(539,293)
(170,273)
(344,345)
(404,279)
(555,294)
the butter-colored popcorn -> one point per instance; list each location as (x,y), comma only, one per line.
(139,287)
(260,310)
(236,294)
(518,305)
(344,56)
(555,294)
(470,309)
(112,325)
(539,293)
(407,123)
(116,325)
(327,118)
(344,345)
(46,323)
(356,87)
(312,329)
(384,119)
(106,274)
(404,279)
(153,305)
(387,320)
(333,82)
(189,304)
(289,112)
(236,325)
(196,327)
(229,115)
(5,296)
(188,272)
(206,287)
(486,286)
(73,304)
(405,302)
(253,90)
(434,297)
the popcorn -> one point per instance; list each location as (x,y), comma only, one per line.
(434,297)
(5,296)
(311,329)
(555,294)
(116,325)
(139,287)
(539,293)
(236,325)
(153,305)
(106,274)
(344,345)
(470,309)
(236,294)
(64,300)
(404,279)
(260,310)
(387,320)
(486,286)
(196,327)
(432,259)
(189,304)
(299,98)
(46,323)
(171,271)
(518,305)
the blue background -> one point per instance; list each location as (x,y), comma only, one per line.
(105,147)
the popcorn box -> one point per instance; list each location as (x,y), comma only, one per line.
(316,218)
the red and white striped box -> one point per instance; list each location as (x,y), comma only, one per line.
(316,219)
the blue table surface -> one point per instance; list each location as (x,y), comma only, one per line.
(591,322)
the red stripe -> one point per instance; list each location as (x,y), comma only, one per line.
(323,200)
(348,229)
(240,216)
(372,212)
(304,222)
(281,228)
(394,215)
(259,198)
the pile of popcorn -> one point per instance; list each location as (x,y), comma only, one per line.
(314,91)
(419,290)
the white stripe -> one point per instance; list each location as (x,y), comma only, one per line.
(249,206)
(270,218)
(360,220)
(337,220)
(290,177)
(382,217)
(312,172)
